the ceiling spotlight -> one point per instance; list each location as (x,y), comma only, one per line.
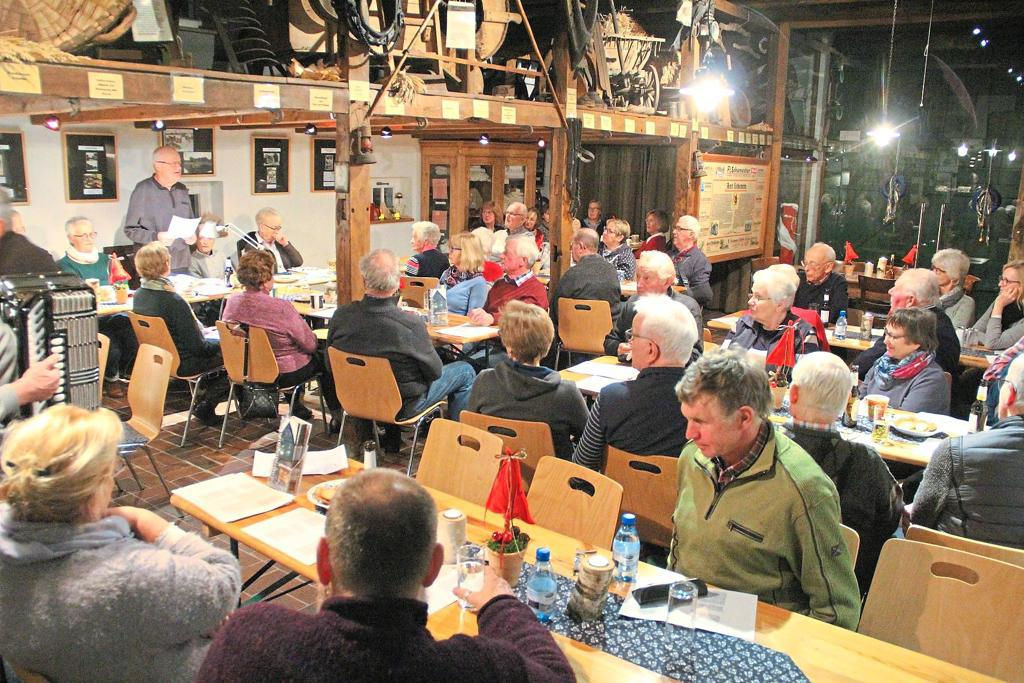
(1020,77)
(976,31)
(992,151)
(1010,70)
(542,144)
(311,129)
(984,42)
(961,151)
(810,158)
(707,90)
(386,133)
(485,139)
(52,122)
(158,125)
(1012,156)
(883,134)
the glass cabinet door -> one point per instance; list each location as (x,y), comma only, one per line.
(515,184)
(481,189)
(440,195)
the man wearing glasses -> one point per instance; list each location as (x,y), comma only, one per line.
(269,235)
(155,201)
(817,280)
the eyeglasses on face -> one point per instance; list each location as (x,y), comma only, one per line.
(176,164)
(631,335)
(1004,281)
(889,334)
(272,228)
(757,298)
(91,235)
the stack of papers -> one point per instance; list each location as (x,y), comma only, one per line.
(439,594)
(323,313)
(314,462)
(729,320)
(593,384)
(465,331)
(233,497)
(296,533)
(618,373)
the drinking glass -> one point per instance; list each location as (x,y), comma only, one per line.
(469,560)
(680,624)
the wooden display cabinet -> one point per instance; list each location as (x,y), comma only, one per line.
(459,176)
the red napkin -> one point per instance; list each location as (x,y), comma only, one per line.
(492,271)
(850,253)
(911,256)
(784,353)
(507,497)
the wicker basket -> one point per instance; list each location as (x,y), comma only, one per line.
(66,24)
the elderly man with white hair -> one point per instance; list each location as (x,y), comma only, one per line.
(155,201)
(974,484)
(693,270)
(642,416)
(918,288)
(771,298)
(869,497)
(655,275)
(519,282)
(427,260)
(269,236)
(950,267)
(818,280)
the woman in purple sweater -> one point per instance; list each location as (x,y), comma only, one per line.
(291,338)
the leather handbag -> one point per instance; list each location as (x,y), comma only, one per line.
(257,400)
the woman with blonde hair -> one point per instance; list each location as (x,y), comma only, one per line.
(615,248)
(1002,325)
(467,288)
(89,591)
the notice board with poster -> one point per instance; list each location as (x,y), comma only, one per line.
(732,204)
(323,158)
(90,166)
(269,165)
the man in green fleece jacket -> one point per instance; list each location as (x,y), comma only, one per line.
(755,512)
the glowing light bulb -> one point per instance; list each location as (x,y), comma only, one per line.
(1012,156)
(707,92)
(961,151)
(883,134)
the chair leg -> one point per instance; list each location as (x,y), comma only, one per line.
(323,408)
(412,451)
(191,409)
(127,461)
(291,401)
(558,356)
(227,411)
(149,454)
(341,430)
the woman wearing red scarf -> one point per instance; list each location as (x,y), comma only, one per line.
(908,373)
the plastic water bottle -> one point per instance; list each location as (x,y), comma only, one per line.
(626,549)
(542,588)
(841,326)
(228,270)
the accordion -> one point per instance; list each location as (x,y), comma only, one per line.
(55,313)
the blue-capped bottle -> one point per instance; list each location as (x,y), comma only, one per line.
(542,588)
(626,549)
(841,326)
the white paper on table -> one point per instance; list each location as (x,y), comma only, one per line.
(727,612)
(729,320)
(296,533)
(592,384)
(439,593)
(620,373)
(182,228)
(314,462)
(465,331)
(233,497)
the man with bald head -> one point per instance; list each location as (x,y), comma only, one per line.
(591,277)
(817,280)
(919,288)
(155,201)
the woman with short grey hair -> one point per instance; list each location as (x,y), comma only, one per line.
(907,373)
(950,267)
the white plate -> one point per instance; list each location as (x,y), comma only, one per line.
(311,493)
(907,427)
(286,278)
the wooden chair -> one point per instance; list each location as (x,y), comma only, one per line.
(969,283)
(26,676)
(1014,556)
(874,294)
(762,262)
(263,368)
(153,330)
(460,460)
(233,349)
(852,540)
(147,393)
(949,604)
(575,501)
(414,289)
(367,389)
(534,438)
(104,354)
(648,491)
(582,326)
(708,337)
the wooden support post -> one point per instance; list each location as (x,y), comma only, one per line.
(1017,234)
(681,196)
(775,153)
(560,231)
(352,182)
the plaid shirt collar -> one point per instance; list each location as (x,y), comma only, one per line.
(518,281)
(815,427)
(726,474)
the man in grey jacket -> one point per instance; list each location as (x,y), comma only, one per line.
(155,201)
(974,484)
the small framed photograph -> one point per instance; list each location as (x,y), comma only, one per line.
(269,165)
(195,146)
(13,172)
(90,163)
(322,159)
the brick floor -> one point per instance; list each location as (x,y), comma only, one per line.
(201,459)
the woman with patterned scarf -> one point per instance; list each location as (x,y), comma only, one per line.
(908,373)
(467,288)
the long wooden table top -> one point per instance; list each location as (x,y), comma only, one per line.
(819,649)
(436,335)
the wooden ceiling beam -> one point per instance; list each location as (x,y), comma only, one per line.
(852,17)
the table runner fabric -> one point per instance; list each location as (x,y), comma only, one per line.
(715,657)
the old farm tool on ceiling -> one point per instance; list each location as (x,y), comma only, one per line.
(356,16)
(581,29)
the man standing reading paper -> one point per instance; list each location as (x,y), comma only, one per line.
(155,202)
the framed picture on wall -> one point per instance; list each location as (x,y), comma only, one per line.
(90,164)
(322,158)
(13,173)
(195,146)
(269,165)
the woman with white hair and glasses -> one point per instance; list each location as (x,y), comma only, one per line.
(771,298)
(950,267)
(89,591)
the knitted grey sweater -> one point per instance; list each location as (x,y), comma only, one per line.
(92,602)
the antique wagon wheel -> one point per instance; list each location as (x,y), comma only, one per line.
(648,85)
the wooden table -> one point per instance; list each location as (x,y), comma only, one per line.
(112,309)
(577,376)
(819,649)
(433,330)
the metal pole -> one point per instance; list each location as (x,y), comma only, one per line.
(938,237)
(920,229)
